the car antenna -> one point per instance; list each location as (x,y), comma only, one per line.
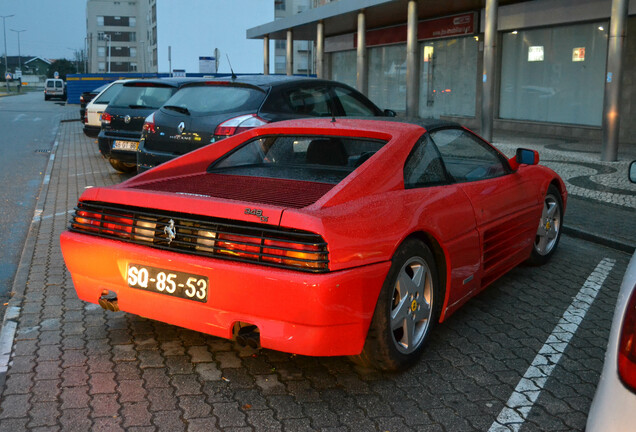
(231,70)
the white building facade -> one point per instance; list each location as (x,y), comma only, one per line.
(121,36)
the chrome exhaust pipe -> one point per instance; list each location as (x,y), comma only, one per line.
(249,336)
(108,301)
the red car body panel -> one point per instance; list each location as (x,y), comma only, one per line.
(479,231)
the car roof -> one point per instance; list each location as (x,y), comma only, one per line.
(265,81)
(171,82)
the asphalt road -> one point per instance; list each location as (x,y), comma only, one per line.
(28,126)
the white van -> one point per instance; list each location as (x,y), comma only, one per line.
(54,88)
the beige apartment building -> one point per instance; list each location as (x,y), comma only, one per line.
(121,36)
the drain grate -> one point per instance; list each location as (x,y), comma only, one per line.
(43,151)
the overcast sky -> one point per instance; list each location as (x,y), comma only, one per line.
(56,28)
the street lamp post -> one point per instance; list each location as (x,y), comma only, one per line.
(19,54)
(6,66)
(107,37)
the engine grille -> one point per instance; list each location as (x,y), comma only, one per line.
(196,235)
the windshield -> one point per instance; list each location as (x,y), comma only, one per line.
(108,94)
(217,99)
(142,96)
(311,158)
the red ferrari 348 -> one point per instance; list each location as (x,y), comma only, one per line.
(317,237)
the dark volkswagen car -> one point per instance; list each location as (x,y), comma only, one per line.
(207,111)
(124,117)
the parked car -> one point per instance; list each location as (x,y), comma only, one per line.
(88,96)
(54,88)
(95,108)
(205,112)
(124,117)
(614,404)
(317,237)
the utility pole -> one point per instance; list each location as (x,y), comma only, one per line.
(108,38)
(19,59)
(6,66)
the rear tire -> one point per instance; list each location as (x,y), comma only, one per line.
(549,231)
(407,310)
(123,167)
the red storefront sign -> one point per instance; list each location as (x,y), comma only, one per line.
(452,26)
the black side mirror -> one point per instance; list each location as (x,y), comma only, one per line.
(632,172)
(389,113)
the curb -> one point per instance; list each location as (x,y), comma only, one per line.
(12,313)
(599,239)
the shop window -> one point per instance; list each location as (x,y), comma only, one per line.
(554,74)
(387,76)
(343,67)
(448,68)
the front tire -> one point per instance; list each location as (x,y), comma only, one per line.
(123,167)
(408,308)
(549,231)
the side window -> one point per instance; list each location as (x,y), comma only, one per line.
(351,104)
(466,157)
(309,101)
(424,166)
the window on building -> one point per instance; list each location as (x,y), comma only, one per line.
(343,67)
(133,52)
(387,76)
(132,22)
(566,85)
(101,51)
(133,67)
(448,68)
(279,4)
(100,20)
(101,66)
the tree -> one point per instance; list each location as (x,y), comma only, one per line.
(63,67)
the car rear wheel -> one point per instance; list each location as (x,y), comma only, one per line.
(407,309)
(549,231)
(123,167)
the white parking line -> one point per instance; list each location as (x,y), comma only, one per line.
(514,414)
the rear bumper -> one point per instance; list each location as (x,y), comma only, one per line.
(150,159)
(309,314)
(91,131)
(105,143)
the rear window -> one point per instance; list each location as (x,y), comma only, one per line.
(209,100)
(108,94)
(59,84)
(50,84)
(310,158)
(142,97)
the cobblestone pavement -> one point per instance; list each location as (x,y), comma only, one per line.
(75,367)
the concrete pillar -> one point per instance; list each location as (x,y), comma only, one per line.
(266,55)
(612,101)
(362,82)
(412,63)
(290,52)
(488,76)
(320,50)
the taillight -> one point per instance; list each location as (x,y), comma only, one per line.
(86,116)
(149,124)
(81,99)
(239,124)
(627,345)
(294,254)
(237,245)
(103,223)
(106,118)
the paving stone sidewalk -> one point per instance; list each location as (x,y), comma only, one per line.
(76,367)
